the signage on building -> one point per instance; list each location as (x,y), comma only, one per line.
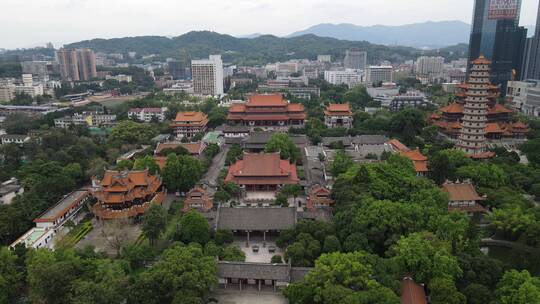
(503,9)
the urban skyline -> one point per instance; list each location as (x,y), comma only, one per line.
(220,17)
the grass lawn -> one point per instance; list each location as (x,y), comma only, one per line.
(76,234)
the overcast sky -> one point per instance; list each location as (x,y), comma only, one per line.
(27,23)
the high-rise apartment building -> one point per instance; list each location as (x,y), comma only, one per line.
(77,65)
(208,75)
(178,69)
(425,65)
(496,34)
(355,59)
(531,62)
(87,64)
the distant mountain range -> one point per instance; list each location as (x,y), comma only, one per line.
(420,35)
(259,50)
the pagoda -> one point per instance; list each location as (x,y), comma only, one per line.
(472,137)
(498,118)
(126,194)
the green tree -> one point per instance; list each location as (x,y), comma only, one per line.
(342,162)
(181,172)
(124,164)
(234,153)
(291,190)
(483,175)
(341,278)
(11,278)
(147,162)
(130,132)
(530,149)
(182,274)
(443,291)
(282,143)
(425,257)
(107,286)
(154,222)
(19,123)
(443,165)
(331,244)
(233,253)
(477,294)
(223,237)
(407,124)
(193,228)
(276,259)
(518,288)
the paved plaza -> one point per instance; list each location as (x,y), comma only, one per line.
(249,295)
(263,256)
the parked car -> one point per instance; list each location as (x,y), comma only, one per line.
(255,248)
(272,249)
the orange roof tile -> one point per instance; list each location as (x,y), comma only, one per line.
(266,100)
(398,146)
(192,148)
(493,127)
(264,168)
(295,107)
(339,107)
(453,108)
(461,192)
(481,60)
(519,125)
(420,166)
(412,293)
(498,109)
(190,117)
(414,155)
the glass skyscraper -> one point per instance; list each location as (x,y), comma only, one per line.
(531,63)
(496,34)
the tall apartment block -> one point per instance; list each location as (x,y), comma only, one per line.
(77,65)
(355,59)
(531,63)
(208,75)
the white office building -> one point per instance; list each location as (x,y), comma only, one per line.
(208,76)
(524,96)
(348,77)
(382,73)
(324,58)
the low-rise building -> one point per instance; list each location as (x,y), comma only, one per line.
(126,194)
(147,114)
(188,124)
(120,78)
(235,131)
(14,139)
(400,101)
(319,197)
(8,190)
(199,199)
(262,172)
(49,223)
(338,116)
(89,119)
(270,111)
(462,196)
